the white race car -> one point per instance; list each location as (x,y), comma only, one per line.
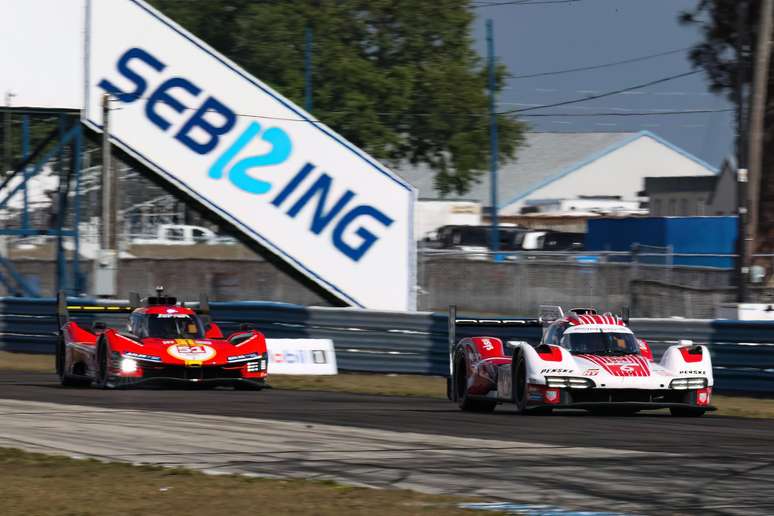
(584,360)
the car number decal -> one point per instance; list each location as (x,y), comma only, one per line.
(183,350)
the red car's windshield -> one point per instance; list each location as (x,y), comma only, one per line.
(173,326)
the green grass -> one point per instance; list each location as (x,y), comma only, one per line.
(390,385)
(44,485)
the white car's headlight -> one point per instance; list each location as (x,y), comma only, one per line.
(561,382)
(128,365)
(688,383)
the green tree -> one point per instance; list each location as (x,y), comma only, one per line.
(398,78)
(730,29)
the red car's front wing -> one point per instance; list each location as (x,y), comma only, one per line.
(151,372)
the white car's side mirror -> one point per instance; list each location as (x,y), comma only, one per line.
(513,344)
(685,342)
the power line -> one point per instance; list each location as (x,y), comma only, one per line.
(603,95)
(634,113)
(522,2)
(478,115)
(604,65)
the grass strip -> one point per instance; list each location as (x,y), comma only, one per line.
(47,485)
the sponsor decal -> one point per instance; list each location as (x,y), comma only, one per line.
(141,356)
(591,372)
(628,365)
(170,316)
(242,358)
(535,392)
(693,371)
(560,371)
(487,344)
(188,351)
(703,396)
(300,356)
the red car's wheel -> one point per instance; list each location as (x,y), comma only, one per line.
(102,379)
(467,403)
(66,379)
(519,382)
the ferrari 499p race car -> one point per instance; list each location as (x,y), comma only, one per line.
(162,342)
(584,360)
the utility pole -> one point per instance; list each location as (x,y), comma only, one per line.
(742,268)
(493,147)
(107,177)
(757,115)
(106,265)
(8,143)
(308,70)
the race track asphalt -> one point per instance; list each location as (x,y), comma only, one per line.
(645,431)
(729,461)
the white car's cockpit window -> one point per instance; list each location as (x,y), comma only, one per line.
(601,343)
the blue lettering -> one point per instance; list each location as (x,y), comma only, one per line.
(202,133)
(161,95)
(280,151)
(367,238)
(292,185)
(123,67)
(197,120)
(320,189)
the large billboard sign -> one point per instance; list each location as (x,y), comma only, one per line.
(250,155)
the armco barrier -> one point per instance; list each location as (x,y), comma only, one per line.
(413,343)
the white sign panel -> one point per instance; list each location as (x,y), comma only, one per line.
(301,356)
(251,155)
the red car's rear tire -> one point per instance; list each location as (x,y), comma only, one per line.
(465,402)
(102,379)
(519,383)
(66,379)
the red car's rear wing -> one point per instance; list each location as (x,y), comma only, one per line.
(66,307)
(509,328)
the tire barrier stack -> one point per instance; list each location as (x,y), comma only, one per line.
(410,342)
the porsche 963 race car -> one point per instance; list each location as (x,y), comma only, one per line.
(584,360)
(162,342)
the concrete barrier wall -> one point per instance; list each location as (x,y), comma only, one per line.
(224,280)
(521,287)
(474,285)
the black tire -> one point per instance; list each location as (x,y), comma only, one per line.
(60,358)
(102,379)
(686,412)
(66,379)
(465,402)
(519,383)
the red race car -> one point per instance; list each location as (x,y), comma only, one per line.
(163,342)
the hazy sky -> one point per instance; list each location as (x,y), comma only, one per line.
(546,37)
